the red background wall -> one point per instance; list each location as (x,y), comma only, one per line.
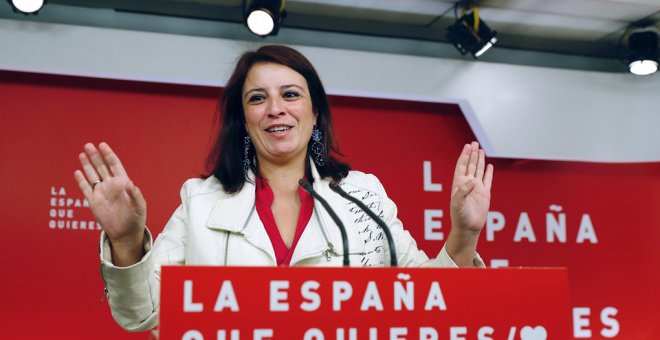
(51,287)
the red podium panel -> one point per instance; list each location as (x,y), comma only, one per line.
(231,303)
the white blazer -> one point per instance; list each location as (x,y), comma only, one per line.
(211,227)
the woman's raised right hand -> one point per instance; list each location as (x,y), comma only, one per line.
(117,204)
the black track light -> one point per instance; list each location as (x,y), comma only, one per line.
(642,54)
(26,6)
(471,34)
(264,17)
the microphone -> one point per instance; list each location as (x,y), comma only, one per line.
(335,187)
(344,237)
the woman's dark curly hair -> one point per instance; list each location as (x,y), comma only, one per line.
(225,160)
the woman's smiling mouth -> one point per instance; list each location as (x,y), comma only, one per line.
(278,129)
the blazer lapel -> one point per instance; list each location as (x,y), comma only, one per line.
(237,214)
(231,212)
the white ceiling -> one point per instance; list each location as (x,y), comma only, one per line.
(590,28)
(554,25)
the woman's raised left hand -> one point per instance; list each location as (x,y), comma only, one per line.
(470,200)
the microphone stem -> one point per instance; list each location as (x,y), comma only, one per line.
(344,237)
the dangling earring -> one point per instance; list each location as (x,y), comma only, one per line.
(247,142)
(318,149)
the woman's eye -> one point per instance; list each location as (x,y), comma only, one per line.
(256,98)
(291,94)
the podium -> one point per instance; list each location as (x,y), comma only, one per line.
(312,303)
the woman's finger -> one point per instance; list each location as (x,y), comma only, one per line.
(88,168)
(465,189)
(83,184)
(481,165)
(474,156)
(462,162)
(136,196)
(112,160)
(98,161)
(488,177)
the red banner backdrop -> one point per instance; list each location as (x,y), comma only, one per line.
(601,221)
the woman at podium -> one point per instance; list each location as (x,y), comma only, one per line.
(276,129)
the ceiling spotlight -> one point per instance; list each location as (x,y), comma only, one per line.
(471,34)
(264,17)
(642,56)
(27,6)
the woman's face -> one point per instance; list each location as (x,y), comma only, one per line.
(278,112)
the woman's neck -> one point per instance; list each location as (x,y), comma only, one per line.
(283,178)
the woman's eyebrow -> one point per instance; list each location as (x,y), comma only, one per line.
(284,87)
(258,89)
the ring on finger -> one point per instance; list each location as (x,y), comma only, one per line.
(95,183)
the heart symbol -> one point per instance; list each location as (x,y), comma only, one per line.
(402,276)
(535,333)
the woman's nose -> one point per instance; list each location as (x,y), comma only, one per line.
(276,107)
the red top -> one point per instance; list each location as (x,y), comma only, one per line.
(264,201)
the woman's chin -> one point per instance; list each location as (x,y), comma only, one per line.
(283,155)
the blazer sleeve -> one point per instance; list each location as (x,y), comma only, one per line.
(133,292)
(408,255)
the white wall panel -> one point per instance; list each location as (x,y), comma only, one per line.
(516,111)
